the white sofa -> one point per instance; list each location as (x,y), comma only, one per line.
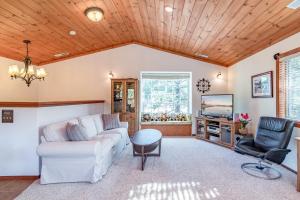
(79,161)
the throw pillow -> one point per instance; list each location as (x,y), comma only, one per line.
(77,132)
(111,121)
(89,124)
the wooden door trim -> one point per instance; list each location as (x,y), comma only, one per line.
(277,57)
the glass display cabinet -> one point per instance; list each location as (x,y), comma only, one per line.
(124,97)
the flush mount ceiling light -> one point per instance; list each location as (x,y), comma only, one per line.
(27,74)
(72,33)
(294,4)
(59,55)
(95,14)
(168,9)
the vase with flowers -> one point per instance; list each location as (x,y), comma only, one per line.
(244,119)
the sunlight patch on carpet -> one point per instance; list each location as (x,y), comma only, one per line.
(172,190)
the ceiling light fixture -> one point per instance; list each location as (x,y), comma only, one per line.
(59,55)
(203,55)
(294,4)
(27,74)
(72,33)
(168,9)
(95,14)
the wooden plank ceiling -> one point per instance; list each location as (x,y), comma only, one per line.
(226,30)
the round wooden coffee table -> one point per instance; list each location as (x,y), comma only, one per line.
(146,141)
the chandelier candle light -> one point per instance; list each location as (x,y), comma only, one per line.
(28,74)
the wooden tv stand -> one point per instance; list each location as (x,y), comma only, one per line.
(217,130)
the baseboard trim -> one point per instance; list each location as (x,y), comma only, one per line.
(5,178)
(288,168)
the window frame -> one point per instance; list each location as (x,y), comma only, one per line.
(190,108)
(278,57)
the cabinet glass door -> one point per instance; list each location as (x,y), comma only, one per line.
(130,97)
(200,128)
(118,97)
(226,134)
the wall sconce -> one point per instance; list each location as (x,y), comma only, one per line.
(110,75)
(219,75)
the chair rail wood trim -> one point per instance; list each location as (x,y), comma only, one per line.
(48,104)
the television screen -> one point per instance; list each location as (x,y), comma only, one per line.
(220,105)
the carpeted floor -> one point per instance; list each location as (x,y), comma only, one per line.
(188,169)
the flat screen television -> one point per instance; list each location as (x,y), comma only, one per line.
(218,105)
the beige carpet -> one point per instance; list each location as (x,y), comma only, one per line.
(188,169)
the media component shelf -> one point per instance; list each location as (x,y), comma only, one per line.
(217,130)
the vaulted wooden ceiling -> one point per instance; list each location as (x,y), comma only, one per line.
(226,30)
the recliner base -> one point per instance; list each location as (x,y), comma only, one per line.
(260,170)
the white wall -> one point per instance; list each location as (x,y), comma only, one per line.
(15,90)
(239,83)
(18,141)
(86,77)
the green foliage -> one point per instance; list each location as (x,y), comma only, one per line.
(168,96)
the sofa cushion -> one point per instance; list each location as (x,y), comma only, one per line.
(56,132)
(77,132)
(121,131)
(111,121)
(89,124)
(98,123)
(113,138)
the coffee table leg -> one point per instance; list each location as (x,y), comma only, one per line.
(143,158)
(159,148)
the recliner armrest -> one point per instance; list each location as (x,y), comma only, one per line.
(69,149)
(276,155)
(249,141)
(124,125)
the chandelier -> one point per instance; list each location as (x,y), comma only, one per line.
(28,74)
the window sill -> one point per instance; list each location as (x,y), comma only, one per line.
(166,123)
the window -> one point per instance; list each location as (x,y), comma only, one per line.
(288,91)
(166,93)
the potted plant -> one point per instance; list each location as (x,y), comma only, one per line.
(244,119)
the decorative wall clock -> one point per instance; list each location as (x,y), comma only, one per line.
(203,85)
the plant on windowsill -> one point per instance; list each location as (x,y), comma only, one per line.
(165,117)
(244,119)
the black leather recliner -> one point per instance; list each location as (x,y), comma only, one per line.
(270,144)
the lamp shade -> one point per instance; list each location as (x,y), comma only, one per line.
(13,70)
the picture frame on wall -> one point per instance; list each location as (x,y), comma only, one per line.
(262,85)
